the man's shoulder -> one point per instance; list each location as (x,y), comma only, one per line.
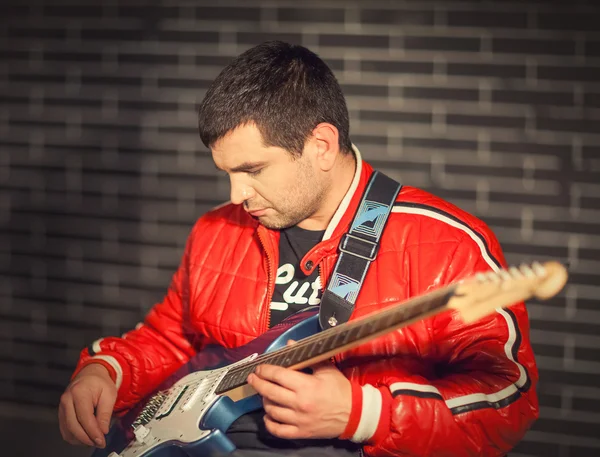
(431,211)
(226,215)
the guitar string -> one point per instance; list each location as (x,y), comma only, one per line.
(333,332)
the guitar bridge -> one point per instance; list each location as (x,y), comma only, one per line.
(150,409)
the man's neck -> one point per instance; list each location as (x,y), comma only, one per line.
(340,182)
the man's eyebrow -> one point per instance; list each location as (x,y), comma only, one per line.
(246,166)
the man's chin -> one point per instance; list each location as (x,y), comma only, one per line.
(271,223)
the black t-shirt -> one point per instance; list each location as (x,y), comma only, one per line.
(293,289)
(293,292)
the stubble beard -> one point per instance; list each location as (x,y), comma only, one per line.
(302,201)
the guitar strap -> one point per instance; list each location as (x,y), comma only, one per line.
(358,248)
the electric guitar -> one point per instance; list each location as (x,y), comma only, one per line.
(191,411)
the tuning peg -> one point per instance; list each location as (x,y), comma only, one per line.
(538,269)
(515,273)
(526,270)
(481,277)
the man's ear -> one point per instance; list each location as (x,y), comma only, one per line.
(326,143)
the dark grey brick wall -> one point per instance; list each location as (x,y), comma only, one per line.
(492,105)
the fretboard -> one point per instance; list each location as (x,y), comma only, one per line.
(313,349)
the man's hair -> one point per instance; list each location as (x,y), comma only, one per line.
(286,90)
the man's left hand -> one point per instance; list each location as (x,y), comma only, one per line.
(300,405)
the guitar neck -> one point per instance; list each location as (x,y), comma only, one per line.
(324,345)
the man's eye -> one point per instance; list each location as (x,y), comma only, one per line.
(255,172)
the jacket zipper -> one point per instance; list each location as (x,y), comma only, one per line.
(270,285)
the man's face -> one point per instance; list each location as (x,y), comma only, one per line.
(274,187)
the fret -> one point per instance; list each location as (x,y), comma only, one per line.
(276,358)
(336,339)
(299,354)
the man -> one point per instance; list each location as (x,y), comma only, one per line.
(276,122)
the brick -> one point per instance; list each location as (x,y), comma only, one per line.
(14,54)
(584,125)
(157,59)
(592,99)
(239,13)
(486,70)
(531,147)
(216,61)
(187,36)
(521,199)
(579,328)
(577,450)
(23,32)
(147,105)
(590,202)
(335,64)
(91,34)
(112,80)
(397,17)
(586,404)
(72,56)
(358,41)
(548,400)
(439,143)
(399,67)
(255,38)
(154,12)
(312,15)
(590,354)
(573,428)
(482,120)
(532,250)
(395,116)
(14,11)
(365,90)
(36,78)
(548,350)
(536,448)
(569,73)
(439,43)
(533,46)
(367,139)
(73,11)
(563,20)
(531,97)
(485,19)
(441,93)
(592,48)
(591,152)
(567,227)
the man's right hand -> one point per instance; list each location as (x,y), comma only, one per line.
(86,406)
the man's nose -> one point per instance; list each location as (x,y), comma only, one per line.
(240,191)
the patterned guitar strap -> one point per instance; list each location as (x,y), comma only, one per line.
(358,248)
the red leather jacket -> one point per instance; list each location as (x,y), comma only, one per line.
(438,387)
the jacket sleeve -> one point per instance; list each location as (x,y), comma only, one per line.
(142,358)
(479,398)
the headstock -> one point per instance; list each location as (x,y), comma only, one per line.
(480,295)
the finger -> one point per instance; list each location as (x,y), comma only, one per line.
(284,431)
(326,365)
(84,410)
(104,409)
(62,425)
(290,379)
(273,392)
(280,413)
(78,434)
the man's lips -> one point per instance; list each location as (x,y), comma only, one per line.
(257,212)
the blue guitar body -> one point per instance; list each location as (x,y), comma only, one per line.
(158,428)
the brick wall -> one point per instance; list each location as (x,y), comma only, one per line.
(492,105)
